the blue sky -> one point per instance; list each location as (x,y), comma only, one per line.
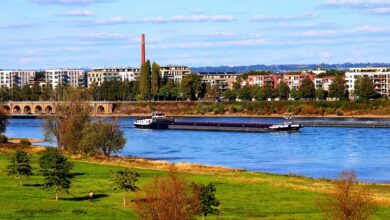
(98,33)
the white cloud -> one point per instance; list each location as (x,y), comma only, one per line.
(284,18)
(113,20)
(381,11)
(79,13)
(380,7)
(191,18)
(365,29)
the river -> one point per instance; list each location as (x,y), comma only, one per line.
(313,152)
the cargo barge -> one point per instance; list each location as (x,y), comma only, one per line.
(160,121)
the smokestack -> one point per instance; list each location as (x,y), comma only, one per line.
(143,53)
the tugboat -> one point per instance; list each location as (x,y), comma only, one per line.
(288,125)
(155,121)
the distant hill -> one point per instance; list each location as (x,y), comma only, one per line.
(286,67)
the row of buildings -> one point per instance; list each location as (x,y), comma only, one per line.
(224,80)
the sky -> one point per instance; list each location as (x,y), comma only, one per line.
(41,34)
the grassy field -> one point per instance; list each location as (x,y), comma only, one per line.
(243,195)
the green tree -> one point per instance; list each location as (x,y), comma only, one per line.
(364,88)
(321,94)
(125,180)
(36,92)
(212,92)
(244,93)
(268,91)
(19,165)
(26,93)
(307,89)
(283,90)
(229,95)
(56,171)
(191,86)
(47,93)
(208,200)
(155,80)
(104,137)
(144,84)
(294,94)
(337,88)
(16,93)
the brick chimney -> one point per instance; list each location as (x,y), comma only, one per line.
(143,52)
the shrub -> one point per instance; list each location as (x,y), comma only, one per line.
(339,112)
(3,139)
(25,142)
(204,109)
(218,108)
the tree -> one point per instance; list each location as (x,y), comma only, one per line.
(69,120)
(364,88)
(170,197)
(212,92)
(47,93)
(125,180)
(207,198)
(337,88)
(155,80)
(229,95)
(307,89)
(294,94)
(348,201)
(19,165)
(267,91)
(26,93)
(144,84)
(244,93)
(283,90)
(36,92)
(191,86)
(104,137)
(321,94)
(56,171)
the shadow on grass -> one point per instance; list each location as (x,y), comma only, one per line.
(78,174)
(33,185)
(84,198)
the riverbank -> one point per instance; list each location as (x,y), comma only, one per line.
(243,194)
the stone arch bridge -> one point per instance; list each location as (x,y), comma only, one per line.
(47,108)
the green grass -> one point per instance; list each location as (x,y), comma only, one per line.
(243,195)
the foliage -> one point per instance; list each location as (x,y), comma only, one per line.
(212,92)
(170,197)
(307,89)
(125,180)
(155,80)
(191,86)
(207,198)
(229,95)
(104,137)
(19,165)
(144,84)
(321,94)
(244,93)
(25,142)
(283,90)
(338,89)
(294,94)
(349,201)
(56,170)
(364,88)
(113,90)
(267,91)
(3,139)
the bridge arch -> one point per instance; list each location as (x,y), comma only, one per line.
(16,109)
(7,109)
(38,109)
(48,109)
(27,109)
(100,109)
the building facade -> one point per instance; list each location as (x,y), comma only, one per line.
(65,77)
(175,73)
(294,81)
(224,80)
(261,80)
(12,78)
(324,82)
(380,77)
(99,75)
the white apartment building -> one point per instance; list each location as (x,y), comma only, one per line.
(222,80)
(323,82)
(11,78)
(380,77)
(99,75)
(175,73)
(65,77)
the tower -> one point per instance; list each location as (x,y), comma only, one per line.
(143,53)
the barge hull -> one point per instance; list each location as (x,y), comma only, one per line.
(224,128)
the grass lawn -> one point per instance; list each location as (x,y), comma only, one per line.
(243,195)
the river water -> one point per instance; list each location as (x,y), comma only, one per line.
(314,152)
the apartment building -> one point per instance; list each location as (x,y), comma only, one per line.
(65,77)
(294,81)
(324,82)
(99,75)
(261,80)
(224,80)
(380,77)
(11,78)
(175,73)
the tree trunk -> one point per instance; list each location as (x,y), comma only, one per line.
(20,182)
(124,201)
(56,196)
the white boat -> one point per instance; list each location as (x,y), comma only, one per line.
(155,121)
(288,125)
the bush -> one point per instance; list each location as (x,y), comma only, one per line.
(3,139)
(204,109)
(218,108)
(339,112)
(25,142)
